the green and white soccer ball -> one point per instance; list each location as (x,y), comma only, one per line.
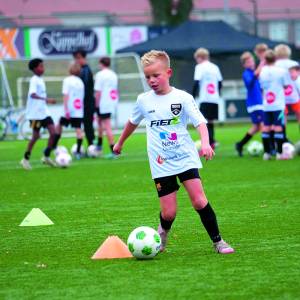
(144,242)
(255,148)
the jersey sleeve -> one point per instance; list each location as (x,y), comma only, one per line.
(219,75)
(65,87)
(192,111)
(136,115)
(98,83)
(197,73)
(32,86)
(286,78)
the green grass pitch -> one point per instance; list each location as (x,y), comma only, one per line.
(257,204)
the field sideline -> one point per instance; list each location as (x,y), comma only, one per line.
(257,204)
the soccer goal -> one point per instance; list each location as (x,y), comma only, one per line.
(127,66)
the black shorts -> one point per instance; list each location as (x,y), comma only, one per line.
(74,122)
(38,124)
(210,111)
(103,116)
(167,185)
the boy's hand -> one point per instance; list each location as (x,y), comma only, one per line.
(117,148)
(51,101)
(67,115)
(207,152)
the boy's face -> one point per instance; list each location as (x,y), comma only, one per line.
(249,63)
(40,69)
(260,54)
(158,76)
(80,59)
(199,60)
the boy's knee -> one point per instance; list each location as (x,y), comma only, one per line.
(169,214)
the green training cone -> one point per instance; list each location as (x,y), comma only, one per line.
(36,218)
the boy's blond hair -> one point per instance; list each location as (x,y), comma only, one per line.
(152,56)
(246,55)
(74,69)
(270,57)
(282,51)
(201,53)
(261,47)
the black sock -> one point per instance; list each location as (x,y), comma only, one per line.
(79,142)
(279,140)
(209,221)
(111,147)
(100,140)
(47,151)
(245,139)
(165,224)
(285,139)
(56,139)
(266,141)
(272,141)
(27,155)
(210,128)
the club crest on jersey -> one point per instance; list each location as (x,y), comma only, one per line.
(176,109)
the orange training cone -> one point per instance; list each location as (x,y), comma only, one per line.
(112,247)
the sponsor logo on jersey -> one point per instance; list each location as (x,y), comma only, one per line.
(165,122)
(288,90)
(270,97)
(211,88)
(176,109)
(77,104)
(176,157)
(169,140)
(151,111)
(114,94)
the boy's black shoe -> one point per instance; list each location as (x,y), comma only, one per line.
(239,149)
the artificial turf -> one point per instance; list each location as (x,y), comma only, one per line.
(257,204)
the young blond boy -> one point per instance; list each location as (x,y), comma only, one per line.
(207,85)
(73,95)
(254,100)
(171,150)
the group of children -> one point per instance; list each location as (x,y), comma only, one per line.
(273,88)
(74,108)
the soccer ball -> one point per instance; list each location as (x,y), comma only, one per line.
(60,149)
(92,151)
(63,159)
(255,148)
(74,149)
(297,148)
(144,242)
(288,150)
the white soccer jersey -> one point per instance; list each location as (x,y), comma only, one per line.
(272,81)
(106,82)
(209,76)
(36,109)
(290,92)
(170,148)
(74,88)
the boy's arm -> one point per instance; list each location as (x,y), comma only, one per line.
(127,131)
(37,97)
(97,99)
(206,149)
(66,99)
(258,69)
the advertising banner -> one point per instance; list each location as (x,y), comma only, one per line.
(62,42)
(123,36)
(11,43)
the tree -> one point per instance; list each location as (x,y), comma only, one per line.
(170,12)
